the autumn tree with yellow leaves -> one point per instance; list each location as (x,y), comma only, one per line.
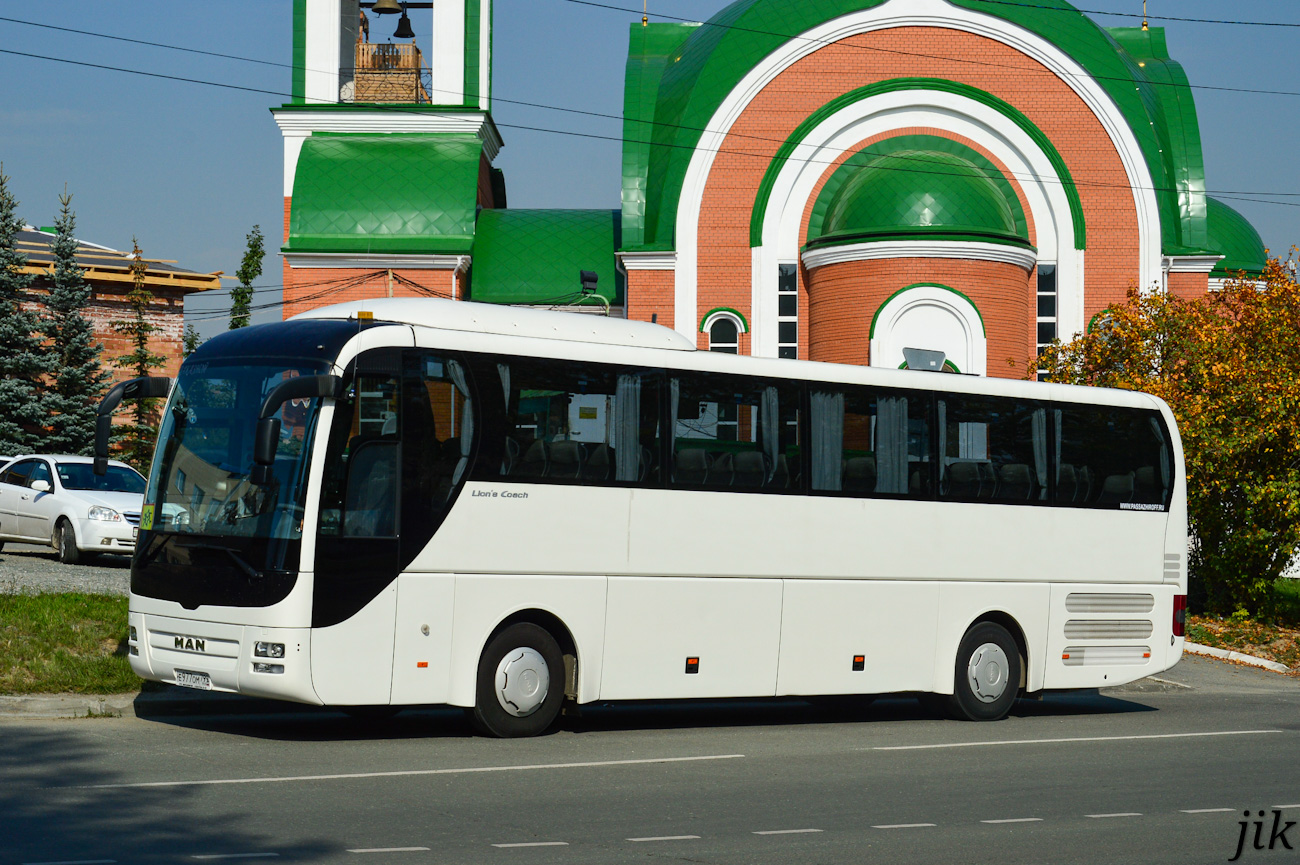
(1228,364)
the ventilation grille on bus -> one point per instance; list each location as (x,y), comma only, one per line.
(1080,602)
(1086,656)
(1105,629)
(1172,569)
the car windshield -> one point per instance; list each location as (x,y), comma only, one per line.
(81,476)
(200,479)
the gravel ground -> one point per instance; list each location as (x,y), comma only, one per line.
(31,569)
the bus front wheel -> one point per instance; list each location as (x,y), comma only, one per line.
(986,677)
(520,683)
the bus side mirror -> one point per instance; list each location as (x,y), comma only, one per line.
(147,387)
(265,440)
(103,431)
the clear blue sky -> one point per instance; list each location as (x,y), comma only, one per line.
(189,169)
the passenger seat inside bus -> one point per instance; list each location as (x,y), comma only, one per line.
(691,466)
(565,459)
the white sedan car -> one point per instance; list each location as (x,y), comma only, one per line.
(60,501)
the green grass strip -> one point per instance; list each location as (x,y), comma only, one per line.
(64,643)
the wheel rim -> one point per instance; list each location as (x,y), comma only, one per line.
(65,547)
(522,681)
(987,672)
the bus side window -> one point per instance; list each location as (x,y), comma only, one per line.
(867,442)
(362,477)
(992,449)
(734,433)
(584,423)
(1112,457)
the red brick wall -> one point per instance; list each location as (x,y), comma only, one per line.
(108,304)
(843,299)
(724,253)
(1189,286)
(650,293)
(307,288)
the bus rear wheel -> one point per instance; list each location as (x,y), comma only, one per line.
(986,677)
(520,683)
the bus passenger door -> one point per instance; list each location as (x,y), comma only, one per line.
(358,542)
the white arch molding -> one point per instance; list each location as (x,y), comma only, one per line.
(931,317)
(914,13)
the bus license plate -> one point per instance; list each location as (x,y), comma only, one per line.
(201,681)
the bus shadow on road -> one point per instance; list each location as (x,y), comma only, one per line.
(62,800)
(311,724)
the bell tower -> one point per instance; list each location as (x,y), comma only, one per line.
(388,147)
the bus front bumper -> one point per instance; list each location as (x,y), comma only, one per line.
(210,656)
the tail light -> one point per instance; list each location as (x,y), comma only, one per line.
(1180,615)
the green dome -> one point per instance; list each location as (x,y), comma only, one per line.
(1235,239)
(916,187)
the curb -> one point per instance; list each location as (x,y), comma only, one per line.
(143,704)
(1227,655)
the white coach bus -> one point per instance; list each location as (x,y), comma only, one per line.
(409,502)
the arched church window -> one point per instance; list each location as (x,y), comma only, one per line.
(724,335)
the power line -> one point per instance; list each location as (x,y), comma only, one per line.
(1240,194)
(653,123)
(1144,17)
(795,37)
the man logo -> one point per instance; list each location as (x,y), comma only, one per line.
(189,644)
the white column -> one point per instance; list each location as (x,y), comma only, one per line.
(322,55)
(447,54)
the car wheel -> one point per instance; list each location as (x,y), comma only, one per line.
(65,542)
(520,683)
(986,677)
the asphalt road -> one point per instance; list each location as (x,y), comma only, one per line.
(1131,775)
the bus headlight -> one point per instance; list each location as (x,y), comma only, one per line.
(268,650)
(99,512)
(268,668)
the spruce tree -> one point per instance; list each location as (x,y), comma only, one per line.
(138,437)
(78,376)
(23,358)
(241,298)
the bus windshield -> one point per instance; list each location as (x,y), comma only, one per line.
(200,479)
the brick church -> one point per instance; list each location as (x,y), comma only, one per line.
(832,180)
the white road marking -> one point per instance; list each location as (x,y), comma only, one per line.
(1073,739)
(667,838)
(1206,810)
(536,844)
(1016,820)
(405,773)
(1281,807)
(77,862)
(786,831)
(903,826)
(1105,816)
(390,850)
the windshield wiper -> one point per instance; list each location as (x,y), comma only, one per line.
(249,570)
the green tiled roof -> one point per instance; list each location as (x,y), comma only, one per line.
(535,256)
(1236,240)
(917,185)
(408,193)
(709,61)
